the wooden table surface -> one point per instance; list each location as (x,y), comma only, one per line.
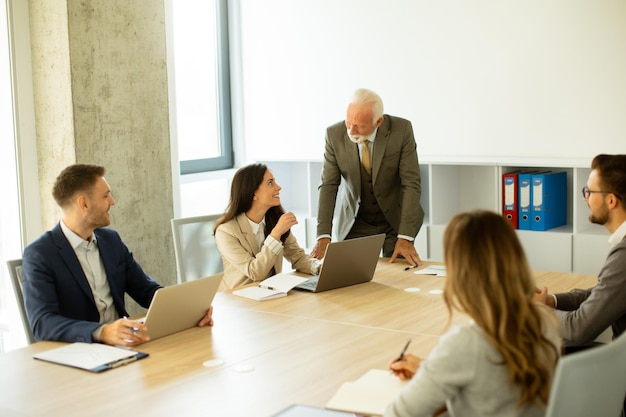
(296,349)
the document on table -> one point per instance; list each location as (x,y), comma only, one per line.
(369,395)
(275,286)
(438,270)
(93,357)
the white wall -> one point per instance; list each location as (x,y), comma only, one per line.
(534,78)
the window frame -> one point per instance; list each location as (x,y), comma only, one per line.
(226,158)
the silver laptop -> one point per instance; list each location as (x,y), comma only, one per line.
(347,262)
(180,307)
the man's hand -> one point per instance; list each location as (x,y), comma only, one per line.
(124,332)
(406,249)
(207,320)
(319,250)
(542,296)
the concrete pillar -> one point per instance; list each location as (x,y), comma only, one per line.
(100,78)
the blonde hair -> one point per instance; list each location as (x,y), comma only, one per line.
(488,278)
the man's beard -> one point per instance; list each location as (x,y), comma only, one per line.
(600,218)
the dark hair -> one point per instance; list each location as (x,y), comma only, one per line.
(78,178)
(612,170)
(245,182)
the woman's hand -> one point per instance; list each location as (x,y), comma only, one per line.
(286,221)
(406,367)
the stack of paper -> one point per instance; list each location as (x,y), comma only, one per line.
(369,395)
(273,287)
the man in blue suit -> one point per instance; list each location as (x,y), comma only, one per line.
(76,274)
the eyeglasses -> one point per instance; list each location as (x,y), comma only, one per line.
(587,192)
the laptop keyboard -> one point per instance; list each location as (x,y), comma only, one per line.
(309,284)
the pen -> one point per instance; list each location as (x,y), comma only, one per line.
(267,287)
(401,355)
(409,267)
(133,330)
(122,362)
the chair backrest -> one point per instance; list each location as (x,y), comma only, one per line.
(195,248)
(591,382)
(15,270)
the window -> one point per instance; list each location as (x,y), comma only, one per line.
(11,331)
(201,91)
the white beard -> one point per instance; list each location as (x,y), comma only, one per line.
(361,138)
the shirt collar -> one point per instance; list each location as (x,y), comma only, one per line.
(372,136)
(73,238)
(618,235)
(255,226)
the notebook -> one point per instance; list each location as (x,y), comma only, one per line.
(369,395)
(347,262)
(180,307)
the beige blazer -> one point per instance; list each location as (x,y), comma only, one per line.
(244,262)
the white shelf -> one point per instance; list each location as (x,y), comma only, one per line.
(453,185)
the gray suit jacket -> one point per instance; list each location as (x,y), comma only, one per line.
(587,313)
(395,179)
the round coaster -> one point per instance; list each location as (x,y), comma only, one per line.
(412,289)
(243,368)
(213,363)
(436,291)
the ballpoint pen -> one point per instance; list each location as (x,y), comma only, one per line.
(122,362)
(410,267)
(267,287)
(401,355)
(133,330)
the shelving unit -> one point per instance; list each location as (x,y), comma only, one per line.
(452,186)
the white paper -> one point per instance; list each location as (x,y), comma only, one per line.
(257,293)
(282,282)
(437,270)
(370,394)
(275,286)
(85,355)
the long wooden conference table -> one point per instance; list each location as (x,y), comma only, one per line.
(259,357)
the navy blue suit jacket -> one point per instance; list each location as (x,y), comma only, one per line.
(58,300)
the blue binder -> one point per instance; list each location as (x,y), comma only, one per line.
(548,200)
(524,200)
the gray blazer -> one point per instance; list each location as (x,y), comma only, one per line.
(587,313)
(395,179)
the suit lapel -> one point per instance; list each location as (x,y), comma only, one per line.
(67,254)
(352,150)
(246,231)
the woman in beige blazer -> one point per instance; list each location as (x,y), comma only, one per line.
(254,234)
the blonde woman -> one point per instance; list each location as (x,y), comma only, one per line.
(502,362)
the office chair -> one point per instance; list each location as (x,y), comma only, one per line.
(15,270)
(591,382)
(195,248)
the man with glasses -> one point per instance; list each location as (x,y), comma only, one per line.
(584,314)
